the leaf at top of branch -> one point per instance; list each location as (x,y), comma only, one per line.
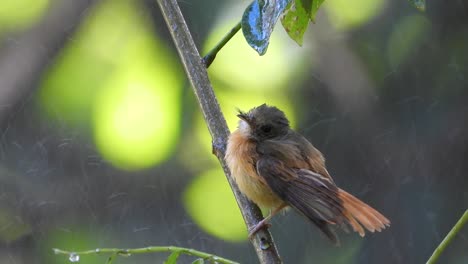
(260,17)
(419,4)
(295,21)
(297,16)
(314,8)
(259,20)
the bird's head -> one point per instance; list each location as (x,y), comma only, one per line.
(263,122)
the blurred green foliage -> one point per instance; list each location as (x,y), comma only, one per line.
(12,227)
(407,36)
(419,4)
(346,15)
(211,204)
(239,67)
(347,252)
(19,14)
(118,79)
(74,239)
(136,115)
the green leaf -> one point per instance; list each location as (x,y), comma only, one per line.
(199,261)
(315,7)
(111,259)
(259,20)
(172,259)
(307,4)
(419,4)
(295,21)
(297,15)
(311,7)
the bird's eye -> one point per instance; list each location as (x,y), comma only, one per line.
(266,128)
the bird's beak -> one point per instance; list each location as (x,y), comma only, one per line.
(244,116)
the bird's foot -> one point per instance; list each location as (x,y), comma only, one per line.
(262,224)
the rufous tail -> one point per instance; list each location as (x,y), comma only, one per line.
(360,214)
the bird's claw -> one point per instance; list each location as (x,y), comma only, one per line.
(262,224)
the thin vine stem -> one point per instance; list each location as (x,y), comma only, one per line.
(211,55)
(114,252)
(448,239)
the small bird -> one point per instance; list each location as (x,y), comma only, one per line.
(277,168)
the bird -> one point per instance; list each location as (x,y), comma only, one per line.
(277,168)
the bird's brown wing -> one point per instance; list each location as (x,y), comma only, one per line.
(310,193)
(296,152)
(307,187)
(311,155)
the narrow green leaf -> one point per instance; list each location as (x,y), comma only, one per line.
(259,20)
(111,259)
(199,261)
(419,4)
(295,21)
(172,259)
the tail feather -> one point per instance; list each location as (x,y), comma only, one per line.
(356,226)
(360,214)
(370,211)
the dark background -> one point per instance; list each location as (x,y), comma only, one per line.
(383,98)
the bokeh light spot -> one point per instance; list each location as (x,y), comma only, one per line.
(211,203)
(406,37)
(15,14)
(68,89)
(238,66)
(120,81)
(346,15)
(136,118)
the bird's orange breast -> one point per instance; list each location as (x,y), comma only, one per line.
(241,156)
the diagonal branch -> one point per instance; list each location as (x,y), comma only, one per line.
(209,58)
(197,74)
